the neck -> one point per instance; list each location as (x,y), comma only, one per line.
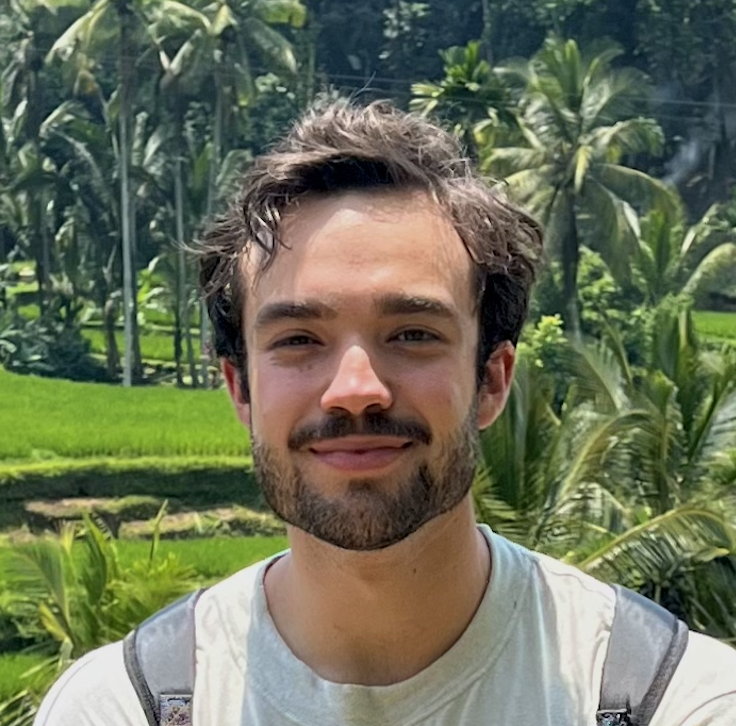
(376,618)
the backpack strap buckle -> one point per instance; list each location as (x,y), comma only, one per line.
(617,717)
(176,709)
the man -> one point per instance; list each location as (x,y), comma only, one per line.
(367,291)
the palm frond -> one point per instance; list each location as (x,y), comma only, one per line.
(271,44)
(84,31)
(287,12)
(508,159)
(642,191)
(713,272)
(660,545)
(609,226)
(631,136)
(533,188)
(597,376)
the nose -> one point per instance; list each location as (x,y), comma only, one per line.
(356,386)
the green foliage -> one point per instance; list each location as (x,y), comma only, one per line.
(471,97)
(82,601)
(632,477)
(211,558)
(46,347)
(580,121)
(155,345)
(690,40)
(17,673)
(695,262)
(128,580)
(86,419)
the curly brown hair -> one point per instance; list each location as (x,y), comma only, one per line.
(346,147)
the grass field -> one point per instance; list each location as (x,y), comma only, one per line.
(715,324)
(216,557)
(154,345)
(41,418)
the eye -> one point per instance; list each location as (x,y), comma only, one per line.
(295,341)
(416,335)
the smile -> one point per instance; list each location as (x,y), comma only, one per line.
(354,453)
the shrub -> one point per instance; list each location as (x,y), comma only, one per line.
(70,591)
(47,347)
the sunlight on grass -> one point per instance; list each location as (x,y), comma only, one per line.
(42,418)
(212,558)
(715,324)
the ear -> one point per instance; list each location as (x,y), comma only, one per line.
(234,382)
(494,391)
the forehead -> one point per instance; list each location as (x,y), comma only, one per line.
(364,244)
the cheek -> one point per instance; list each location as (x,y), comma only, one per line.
(279,399)
(444,393)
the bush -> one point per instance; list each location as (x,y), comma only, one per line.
(70,592)
(47,347)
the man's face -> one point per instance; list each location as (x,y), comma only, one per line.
(361,337)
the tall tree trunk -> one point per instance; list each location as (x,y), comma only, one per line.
(136,332)
(124,68)
(486,36)
(37,245)
(177,336)
(570,260)
(204,324)
(182,301)
(112,356)
(106,283)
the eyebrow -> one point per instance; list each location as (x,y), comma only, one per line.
(401,304)
(293,310)
(386,305)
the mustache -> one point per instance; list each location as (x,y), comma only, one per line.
(371,424)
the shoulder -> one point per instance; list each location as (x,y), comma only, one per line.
(237,593)
(703,690)
(563,588)
(226,611)
(94,691)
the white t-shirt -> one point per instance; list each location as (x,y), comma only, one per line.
(532,656)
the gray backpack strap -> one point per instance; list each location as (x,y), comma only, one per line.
(160,660)
(646,645)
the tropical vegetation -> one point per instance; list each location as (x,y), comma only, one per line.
(124,124)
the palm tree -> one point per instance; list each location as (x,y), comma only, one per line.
(673,259)
(471,96)
(633,480)
(578,118)
(27,96)
(234,33)
(541,482)
(135,25)
(93,216)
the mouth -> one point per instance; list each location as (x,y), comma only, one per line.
(360,453)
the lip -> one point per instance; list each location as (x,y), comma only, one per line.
(360,453)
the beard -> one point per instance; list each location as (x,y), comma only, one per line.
(368,516)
